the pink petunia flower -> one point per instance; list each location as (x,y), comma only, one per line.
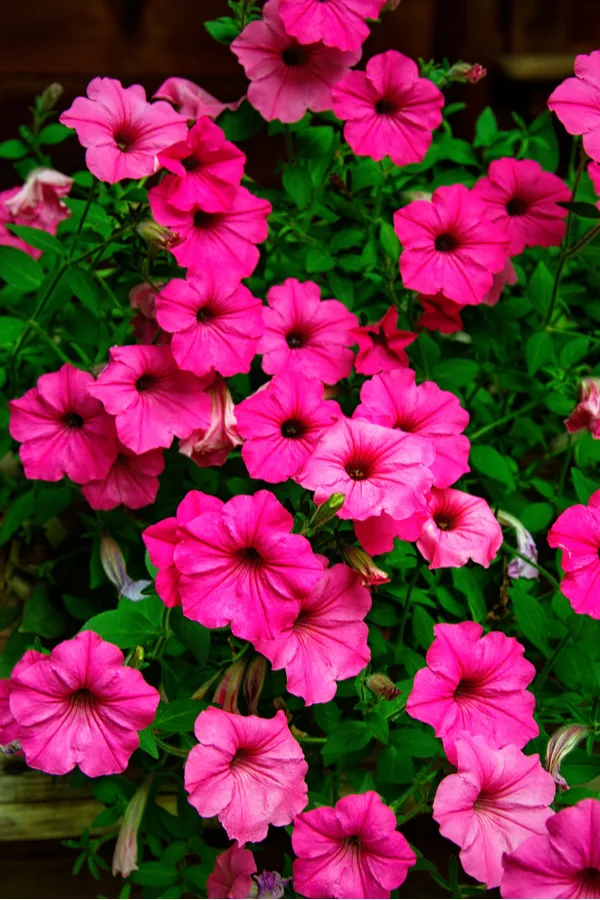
(122,132)
(508,275)
(80,706)
(351,850)
(378,470)
(214,241)
(377,533)
(381,346)
(288,78)
(475,683)
(62,430)
(593,171)
(145,327)
(211,446)
(192,101)
(328,640)
(563,862)
(576,102)
(496,800)
(388,110)
(132,481)
(247,771)
(440,314)
(232,874)
(337,23)
(395,400)
(208,168)
(9,728)
(7,238)
(281,425)
(151,398)
(215,321)
(306,334)
(577,533)
(523,200)
(449,246)
(39,202)
(243,567)
(460,527)
(586,415)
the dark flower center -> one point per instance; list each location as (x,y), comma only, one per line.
(443,521)
(204,219)
(294,56)
(145,383)
(240,756)
(445,243)
(293,429)
(353,843)
(190,163)
(590,880)
(466,689)
(379,338)
(385,107)
(516,207)
(123,140)
(358,469)
(73,420)
(81,698)
(250,557)
(295,339)
(204,314)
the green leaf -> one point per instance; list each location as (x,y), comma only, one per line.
(51,501)
(22,509)
(490,462)
(346,238)
(242,124)
(319,259)
(574,351)
(347,738)
(464,582)
(378,724)
(37,238)
(55,133)
(195,637)
(343,288)
(178,716)
(39,616)
(19,269)
(540,287)
(486,128)
(422,625)
(416,743)
(581,210)
(327,716)
(394,766)
(81,608)
(455,373)
(155,875)
(224,30)
(531,618)
(148,742)
(538,351)
(86,289)
(298,184)
(10,329)
(125,626)
(389,241)
(537,516)
(13,149)
(584,486)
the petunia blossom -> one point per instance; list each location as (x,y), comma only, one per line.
(39,203)
(351,850)
(381,347)
(232,874)
(460,527)
(142,298)
(247,771)
(122,132)
(440,314)
(281,425)
(7,237)
(508,275)
(132,481)
(388,110)
(475,683)
(192,101)
(586,415)
(576,102)
(62,429)
(577,533)
(377,533)
(80,706)
(211,446)
(9,728)
(337,23)
(327,642)
(496,800)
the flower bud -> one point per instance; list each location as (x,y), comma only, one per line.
(466,72)
(201,692)
(113,564)
(125,855)
(370,574)
(50,96)
(519,568)
(383,686)
(391,5)
(327,510)
(228,689)
(159,237)
(560,744)
(410,196)
(254,682)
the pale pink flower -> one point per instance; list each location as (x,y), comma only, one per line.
(215,322)
(563,741)
(351,850)
(508,275)
(577,533)
(337,23)
(247,771)
(377,533)
(381,347)
(81,706)
(232,874)
(39,202)
(281,425)
(460,527)
(122,132)
(7,238)
(441,314)
(518,567)
(327,642)
(475,683)
(126,848)
(586,415)
(115,569)
(388,110)
(288,78)
(576,102)
(132,481)
(496,800)
(62,429)
(449,246)
(211,446)
(191,100)
(151,398)
(9,729)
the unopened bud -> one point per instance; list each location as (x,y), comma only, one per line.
(391,5)
(159,237)
(113,564)
(203,690)
(125,855)
(254,682)
(411,196)
(228,689)
(50,96)
(279,703)
(466,72)
(135,658)
(327,510)
(560,744)
(370,574)
(383,686)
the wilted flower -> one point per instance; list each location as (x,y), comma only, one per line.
(383,686)
(519,568)
(371,575)
(560,744)
(125,856)
(269,884)
(254,682)
(228,689)
(113,564)
(586,415)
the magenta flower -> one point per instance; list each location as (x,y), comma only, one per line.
(576,102)
(577,533)
(219,242)
(508,275)
(593,171)
(394,399)
(586,415)
(211,446)
(523,200)
(378,470)
(215,321)
(351,850)
(476,685)
(232,874)
(282,423)
(449,246)
(337,23)
(440,314)
(377,533)
(496,800)
(381,346)
(328,640)
(9,729)
(288,78)
(39,203)
(460,527)
(244,568)
(247,771)
(132,481)
(388,110)
(7,238)
(122,132)
(306,334)
(81,706)
(192,101)
(208,167)
(62,430)
(145,327)
(151,398)
(563,862)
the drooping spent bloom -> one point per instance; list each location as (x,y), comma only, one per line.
(388,110)
(381,347)
(80,706)
(369,574)
(327,642)
(254,681)
(351,850)
(122,132)
(586,415)
(247,771)
(519,568)
(460,527)
(577,533)
(562,862)
(379,470)
(151,398)
(39,202)
(288,78)
(228,689)
(132,481)
(281,425)
(377,533)
(243,567)
(215,322)
(143,299)
(449,246)
(208,168)
(475,683)
(211,446)
(496,800)
(62,429)
(232,874)
(564,739)
(270,885)
(9,729)
(394,399)
(113,564)
(192,101)
(7,238)
(576,102)
(126,849)
(382,686)
(508,275)
(306,334)
(337,23)
(219,242)
(440,314)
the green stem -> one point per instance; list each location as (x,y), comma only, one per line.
(533,563)
(84,215)
(406,609)
(550,663)
(42,302)
(176,751)
(565,466)
(240,654)
(311,740)
(46,337)
(513,415)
